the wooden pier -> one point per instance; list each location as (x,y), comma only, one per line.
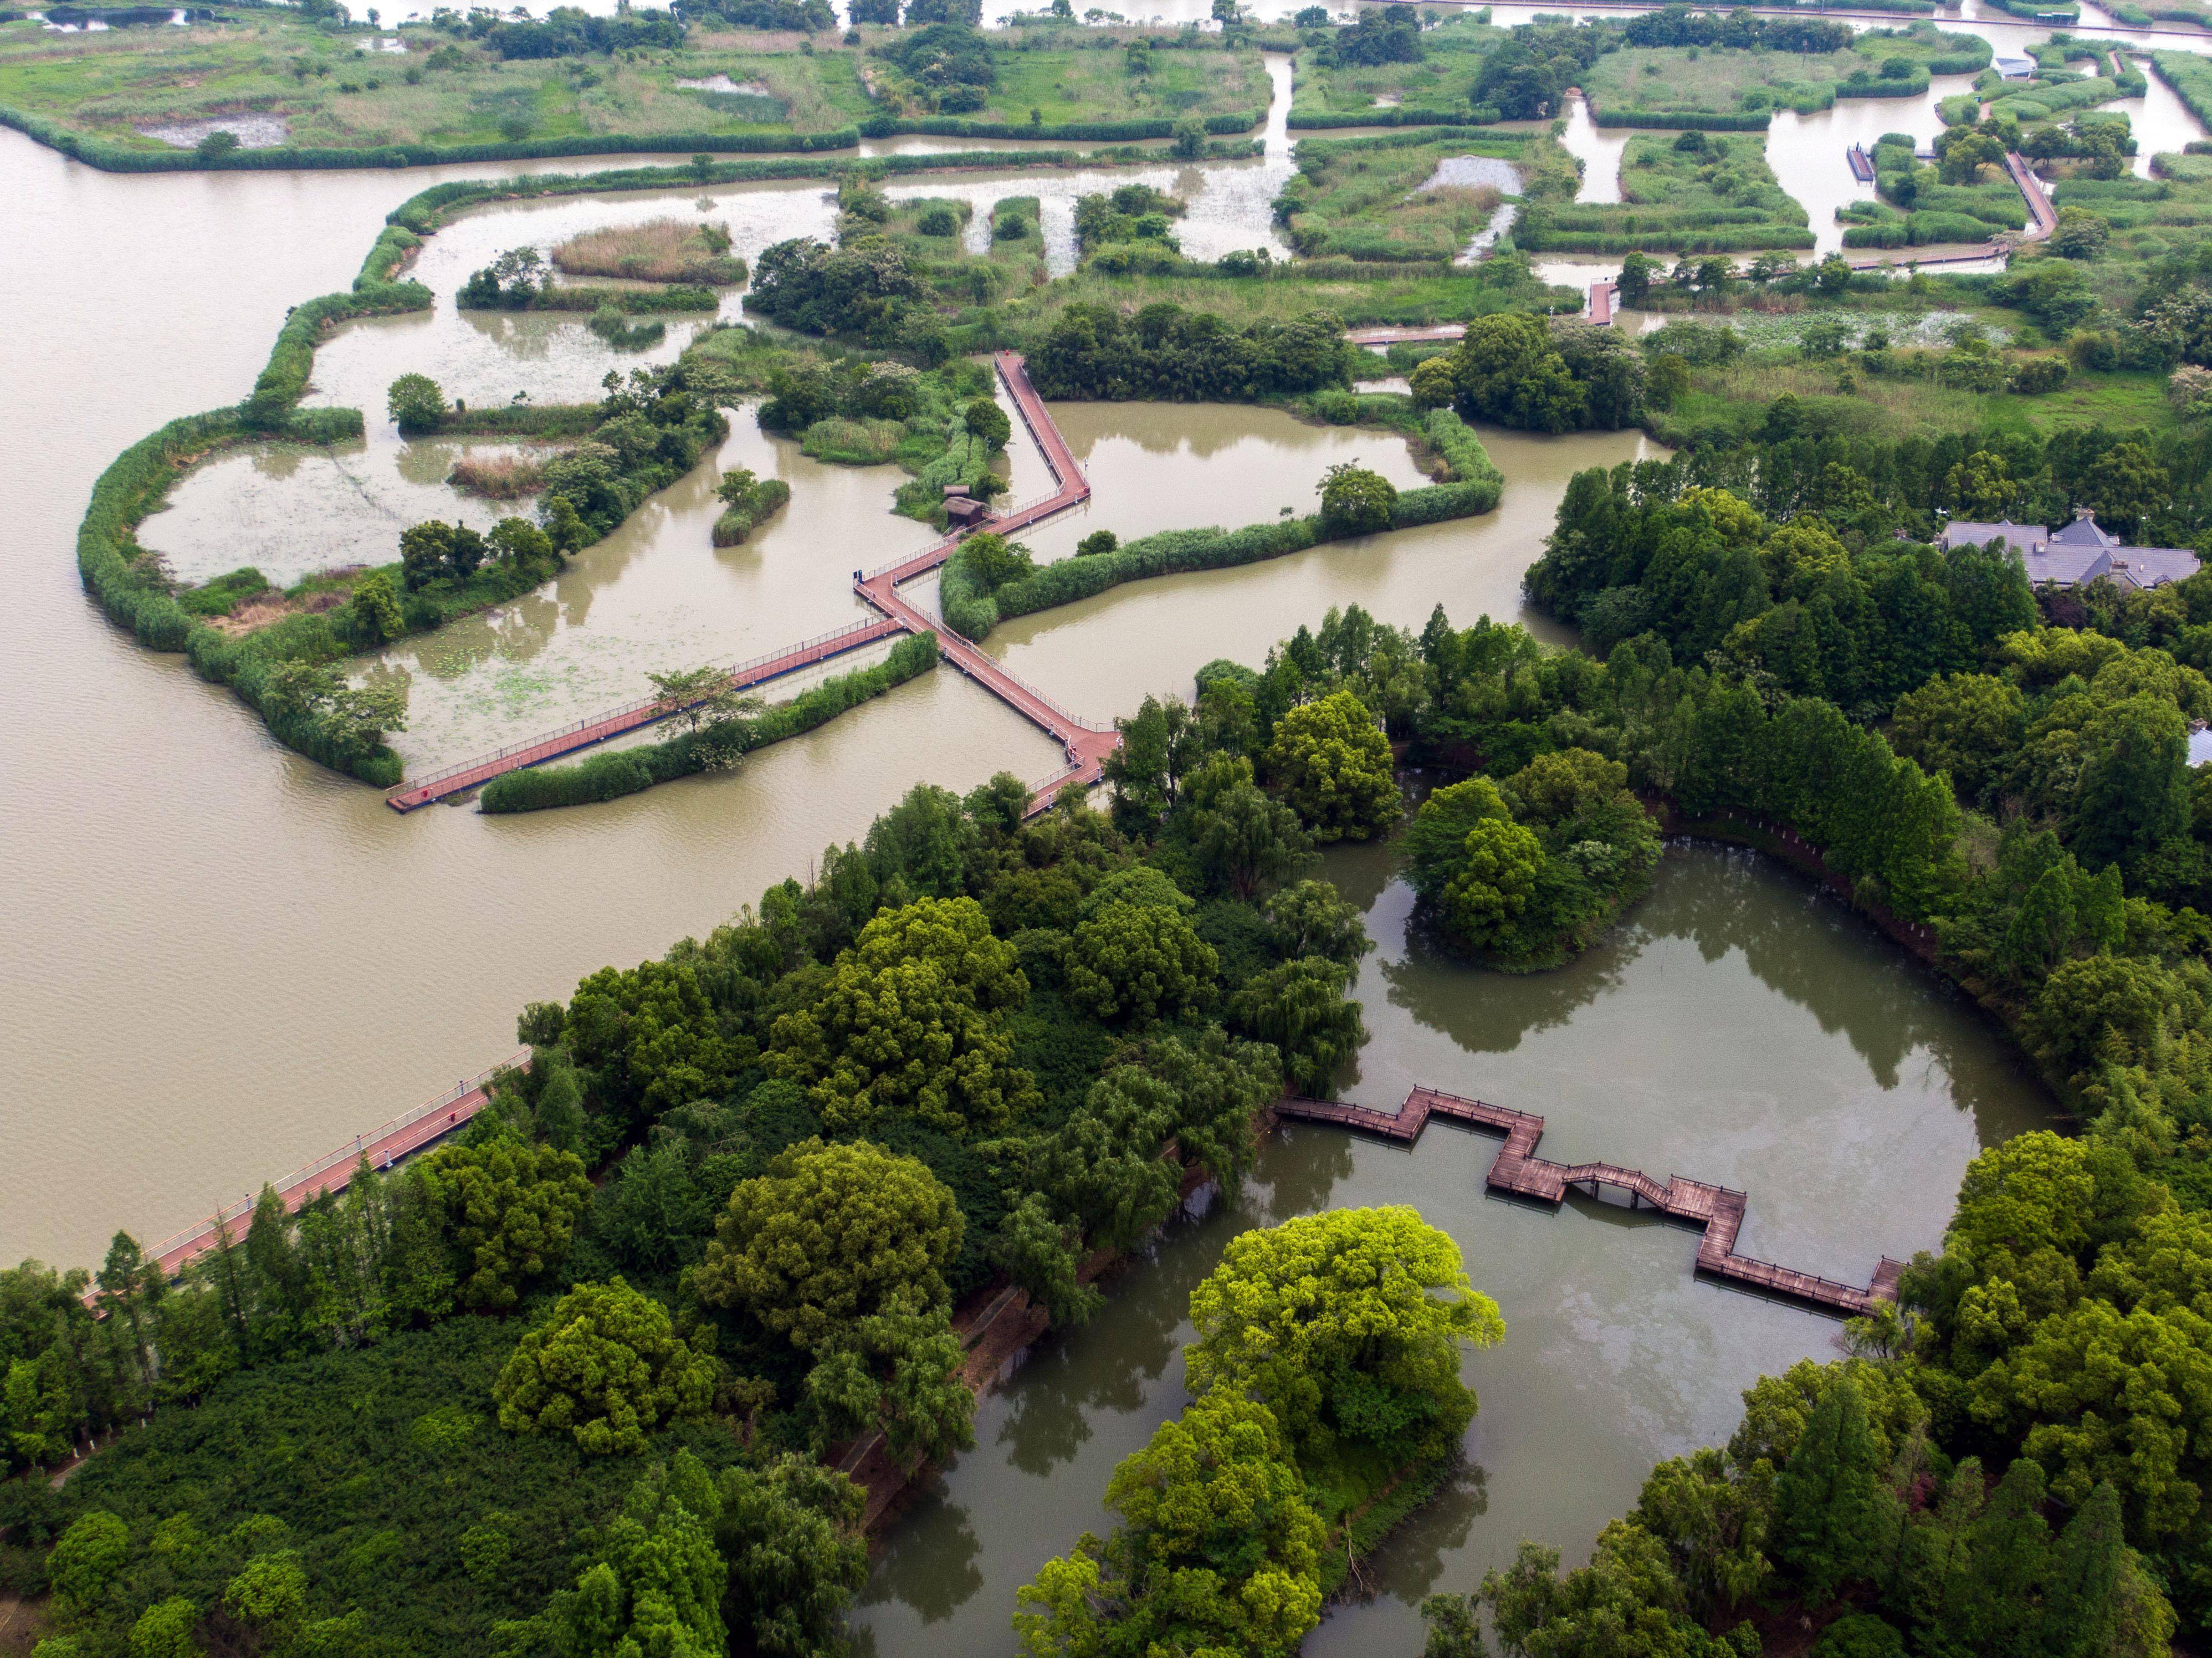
(1086,746)
(1518,1172)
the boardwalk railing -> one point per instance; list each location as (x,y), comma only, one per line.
(304,1182)
(611,723)
(1718,1210)
(893,616)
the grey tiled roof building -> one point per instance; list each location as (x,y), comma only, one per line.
(2078,554)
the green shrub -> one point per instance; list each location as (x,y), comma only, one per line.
(630,771)
(971,612)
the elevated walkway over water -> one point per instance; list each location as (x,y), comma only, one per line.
(1518,1172)
(1086,746)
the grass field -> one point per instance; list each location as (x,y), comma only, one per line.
(1454,52)
(1362,198)
(1901,407)
(1424,295)
(1723,198)
(1715,79)
(1085,76)
(323,88)
(330,91)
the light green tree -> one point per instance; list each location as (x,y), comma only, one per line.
(417,403)
(1483,901)
(374,608)
(831,1234)
(1348,1326)
(1140,962)
(984,420)
(511,1210)
(87,1561)
(1334,765)
(912,1024)
(270,1596)
(606,1367)
(167,1629)
(1217,1550)
(655,1586)
(1355,501)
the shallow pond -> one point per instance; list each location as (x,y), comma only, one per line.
(1739,1029)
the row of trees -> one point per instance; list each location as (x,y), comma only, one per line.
(2031,807)
(1522,371)
(1095,352)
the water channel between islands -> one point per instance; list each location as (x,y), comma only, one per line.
(291,962)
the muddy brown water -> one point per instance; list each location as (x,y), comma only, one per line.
(1739,1027)
(224,961)
(227,960)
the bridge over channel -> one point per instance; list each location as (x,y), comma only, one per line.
(1518,1172)
(1084,746)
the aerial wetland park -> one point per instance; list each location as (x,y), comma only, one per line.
(913,828)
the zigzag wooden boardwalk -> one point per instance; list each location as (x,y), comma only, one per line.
(1518,1172)
(1087,746)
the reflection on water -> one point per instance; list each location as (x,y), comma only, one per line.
(1738,1029)
(290,512)
(1598,150)
(1807,152)
(656,595)
(2161,123)
(1103,655)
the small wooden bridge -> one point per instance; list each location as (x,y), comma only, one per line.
(2043,216)
(1518,1172)
(1086,746)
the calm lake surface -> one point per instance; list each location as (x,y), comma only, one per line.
(224,961)
(1739,1029)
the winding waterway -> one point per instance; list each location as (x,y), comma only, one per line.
(223,960)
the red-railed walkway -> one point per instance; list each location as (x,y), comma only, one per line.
(1519,1172)
(2039,200)
(1086,746)
(404,1136)
(635,716)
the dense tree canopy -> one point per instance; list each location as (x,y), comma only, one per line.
(911,1020)
(1332,763)
(606,1367)
(833,1233)
(1348,1327)
(513,1208)
(1164,351)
